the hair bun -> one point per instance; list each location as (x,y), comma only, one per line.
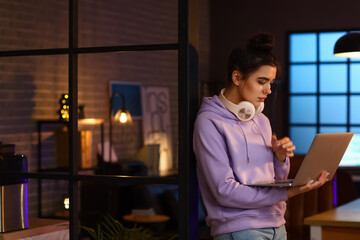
(261,42)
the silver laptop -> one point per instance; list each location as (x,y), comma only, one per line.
(325,153)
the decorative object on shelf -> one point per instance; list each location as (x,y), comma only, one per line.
(348,45)
(85,148)
(122,115)
(150,156)
(64,107)
(143,212)
(157,124)
(65,212)
(66,203)
(81,111)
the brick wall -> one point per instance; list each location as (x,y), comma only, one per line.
(31,86)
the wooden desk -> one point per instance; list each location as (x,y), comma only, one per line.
(40,229)
(146,219)
(340,223)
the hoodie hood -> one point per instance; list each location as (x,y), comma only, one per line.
(213,104)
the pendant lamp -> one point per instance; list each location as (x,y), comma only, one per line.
(348,45)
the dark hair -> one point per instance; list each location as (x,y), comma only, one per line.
(257,53)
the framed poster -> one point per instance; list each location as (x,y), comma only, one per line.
(156,123)
(132,95)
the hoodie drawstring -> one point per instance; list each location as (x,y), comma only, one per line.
(267,149)
(246,143)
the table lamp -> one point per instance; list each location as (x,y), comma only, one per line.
(121,116)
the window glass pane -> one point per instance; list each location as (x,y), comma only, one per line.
(302,138)
(355,129)
(333,78)
(303,47)
(354,109)
(326,49)
(333,109)
(355,77)
(332,129)
(303,109)
(303,78)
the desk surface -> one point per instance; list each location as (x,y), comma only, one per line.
(347,215)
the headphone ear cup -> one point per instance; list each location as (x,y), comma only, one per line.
(246,111)
(260,108)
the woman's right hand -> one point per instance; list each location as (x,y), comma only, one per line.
(311,185)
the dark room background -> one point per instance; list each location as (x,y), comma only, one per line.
(32,86)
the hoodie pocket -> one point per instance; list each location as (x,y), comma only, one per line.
(233,213)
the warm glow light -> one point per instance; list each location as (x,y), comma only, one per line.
(123,118)
(348,54)
(66,203)
(90,121)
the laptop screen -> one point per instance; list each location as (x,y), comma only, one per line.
(351,157)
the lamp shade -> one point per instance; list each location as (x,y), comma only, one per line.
(348,45)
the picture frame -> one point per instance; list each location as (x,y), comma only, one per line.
(132,95)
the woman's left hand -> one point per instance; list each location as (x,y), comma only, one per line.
(282,148)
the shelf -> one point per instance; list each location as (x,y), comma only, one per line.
(85,121)
(95,177)
(59,170)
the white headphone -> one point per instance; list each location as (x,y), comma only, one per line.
(245,110)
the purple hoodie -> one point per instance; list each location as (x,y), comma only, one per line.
(231,153)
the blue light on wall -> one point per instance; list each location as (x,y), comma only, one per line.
(323,89)
(299,53)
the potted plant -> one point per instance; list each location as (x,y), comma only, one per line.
(112,229)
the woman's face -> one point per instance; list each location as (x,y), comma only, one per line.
(257,87)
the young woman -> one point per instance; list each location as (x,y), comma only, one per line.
(234,146)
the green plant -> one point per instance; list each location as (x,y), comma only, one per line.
(112,229)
